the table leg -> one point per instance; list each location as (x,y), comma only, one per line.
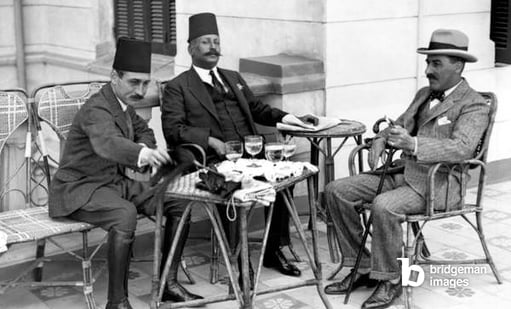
(263,250)
(180,226)
(313,260)
(244,257)
(329,176)
(155,282)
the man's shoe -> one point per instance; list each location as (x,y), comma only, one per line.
(177,293)
(341,287)
(384,295)
(124,304)
(278,261)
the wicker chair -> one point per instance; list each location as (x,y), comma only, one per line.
(32,224)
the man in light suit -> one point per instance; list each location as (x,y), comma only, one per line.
(444,123)
(208,106)
(91,184)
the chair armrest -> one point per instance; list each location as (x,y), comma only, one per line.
(354,154)
(198,150)
(462,168)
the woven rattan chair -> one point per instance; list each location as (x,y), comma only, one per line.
(32,224)
(414,248)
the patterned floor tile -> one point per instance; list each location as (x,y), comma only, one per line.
(279,301)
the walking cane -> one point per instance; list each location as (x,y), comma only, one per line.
(368,225)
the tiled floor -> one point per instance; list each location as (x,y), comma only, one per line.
(447,239)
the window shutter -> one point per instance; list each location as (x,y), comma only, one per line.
(500,30)
(153,20)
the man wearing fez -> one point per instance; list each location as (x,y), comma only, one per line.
(444,123)
(106,138)
(208,106)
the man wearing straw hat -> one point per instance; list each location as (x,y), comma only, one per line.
(208,106)
(444,123)
(91,185)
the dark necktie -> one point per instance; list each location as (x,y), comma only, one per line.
(129,124)
(439,95)
(216,83)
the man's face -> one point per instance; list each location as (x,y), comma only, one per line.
(205,51)
(131,87)
(442,73)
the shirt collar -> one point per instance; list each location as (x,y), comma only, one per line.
(204,74)
(450,90)
(124,106)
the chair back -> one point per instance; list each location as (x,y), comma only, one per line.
(481,152)
(57,104)
(13,112)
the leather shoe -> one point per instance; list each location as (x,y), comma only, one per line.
(177,293)
(278,261)
(341,287)
(384,295)
(124,304)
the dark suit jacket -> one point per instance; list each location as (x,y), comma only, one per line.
(450,133)
(189,115)
(96,151)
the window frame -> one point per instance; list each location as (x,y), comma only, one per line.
(148,20)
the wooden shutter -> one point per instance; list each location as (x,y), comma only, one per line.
(153,20)
(500,30)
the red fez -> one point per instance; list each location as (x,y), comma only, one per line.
(132,56)
(201,24)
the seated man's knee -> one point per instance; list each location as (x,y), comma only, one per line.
(175,208)
(126,219)
(381,206)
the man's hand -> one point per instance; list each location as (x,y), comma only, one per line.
(309,119)
(375,152)
(293,120)
(153,157)
(399,138)
(217,145)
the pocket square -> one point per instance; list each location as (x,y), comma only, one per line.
(443,121)
(240,86)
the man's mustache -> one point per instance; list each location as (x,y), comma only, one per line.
(213,52)
(431,76)
(136,97)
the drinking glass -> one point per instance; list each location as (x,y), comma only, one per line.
(253,144)
(274,152)
(289,150)
(233,150)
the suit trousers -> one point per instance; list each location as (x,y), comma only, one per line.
(388,210)
(116,206)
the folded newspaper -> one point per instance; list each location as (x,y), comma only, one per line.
(255,190)
(323,124)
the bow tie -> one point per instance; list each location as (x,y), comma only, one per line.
(439,95)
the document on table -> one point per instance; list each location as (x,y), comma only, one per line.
(323,124)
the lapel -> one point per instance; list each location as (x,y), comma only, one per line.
(115,108)
(449,101)
(233,86)
(199,91)
(409,122)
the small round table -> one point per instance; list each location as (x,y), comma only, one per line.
(346,129)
